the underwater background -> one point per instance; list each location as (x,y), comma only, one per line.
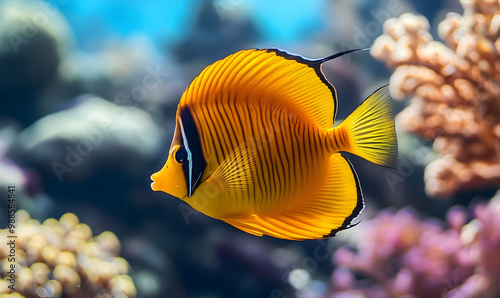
(88,95)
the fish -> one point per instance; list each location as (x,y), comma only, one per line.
(255,146)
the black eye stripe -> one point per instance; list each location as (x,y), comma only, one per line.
(193,169)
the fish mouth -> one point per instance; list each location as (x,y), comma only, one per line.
(155,186)
(160,184)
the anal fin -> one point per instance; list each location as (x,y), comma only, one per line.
(333,208)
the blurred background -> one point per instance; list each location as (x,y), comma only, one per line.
(88,95)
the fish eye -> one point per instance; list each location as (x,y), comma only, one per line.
(181,155)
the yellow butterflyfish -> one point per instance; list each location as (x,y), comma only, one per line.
(255,146)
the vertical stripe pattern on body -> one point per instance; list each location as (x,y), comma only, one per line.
(281,147)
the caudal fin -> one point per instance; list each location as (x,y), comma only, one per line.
(371,129)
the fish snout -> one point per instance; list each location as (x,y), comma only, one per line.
(156,185)
(171,183)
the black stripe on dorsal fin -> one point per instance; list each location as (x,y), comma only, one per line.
(331,57)
(316,65)
(312,62)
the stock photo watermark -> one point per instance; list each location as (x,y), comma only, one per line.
(364,35)
(139,92)
(299,276)
(32,26)
(406,166)
(94,137)
(222,7)
(75,155)
(10,267)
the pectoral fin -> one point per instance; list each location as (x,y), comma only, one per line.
(236,173)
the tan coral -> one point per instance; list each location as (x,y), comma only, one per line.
(454,87)
(63,259)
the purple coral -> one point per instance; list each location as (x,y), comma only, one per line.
(399,254)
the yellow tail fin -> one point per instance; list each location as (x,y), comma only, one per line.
(371,129)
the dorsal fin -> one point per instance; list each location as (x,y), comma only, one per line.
(268,76)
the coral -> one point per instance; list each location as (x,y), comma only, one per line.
(455,88)
(400,255)
(62,258)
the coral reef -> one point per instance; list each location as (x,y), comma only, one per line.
(399,255)
(454,87)
(61,258)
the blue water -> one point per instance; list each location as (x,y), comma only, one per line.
(169,21)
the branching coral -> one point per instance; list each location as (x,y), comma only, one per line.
(400,255)
(455,89)
(62,259)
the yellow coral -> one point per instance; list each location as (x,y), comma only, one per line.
(47,264)
(454,87)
